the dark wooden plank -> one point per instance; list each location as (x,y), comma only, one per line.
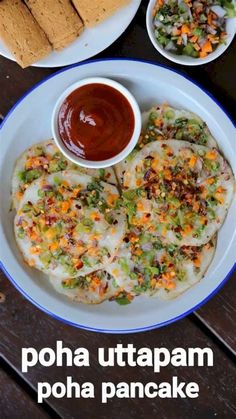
(15,403)
(23,325)
(219,314)
(14,82)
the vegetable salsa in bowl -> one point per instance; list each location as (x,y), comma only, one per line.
(191,32)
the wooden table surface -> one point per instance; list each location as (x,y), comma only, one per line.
(213,325)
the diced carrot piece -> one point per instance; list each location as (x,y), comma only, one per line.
(196,47)
(63,242)
(197,262)
(112,198)
(80,248)
(65,183)
(192,161)
(75,192)
(193,39)
(133,238)
(19,195)
(129,297)
(170,285)
(65,206)
(29,163)
(185,29)
(211,155)
(167,174)
(158,122)
(155,9)
(140,206)
(210,180)
(202,54)
(219,198)
(54,246)
(33,250)
(207,47)
(187,229)
(140,279)
(153,282)
(33,236)
(154,163)
(95,216)
(196,206)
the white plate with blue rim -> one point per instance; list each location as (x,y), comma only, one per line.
(29,122)
(91,42)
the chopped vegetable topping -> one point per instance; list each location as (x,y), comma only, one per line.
(193,28)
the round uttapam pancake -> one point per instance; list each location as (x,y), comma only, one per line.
(67,224)
(178,191)
(90,289)
(162,123)
(146,266)
(167,123)
(45,158)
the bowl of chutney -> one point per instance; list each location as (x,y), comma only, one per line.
(96,122)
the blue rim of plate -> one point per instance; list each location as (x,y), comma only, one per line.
(116,331)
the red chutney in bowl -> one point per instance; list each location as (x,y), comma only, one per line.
(96,122)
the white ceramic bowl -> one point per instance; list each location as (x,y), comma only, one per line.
(184,59)
(133,140)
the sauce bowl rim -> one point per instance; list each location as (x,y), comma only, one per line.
(93,164)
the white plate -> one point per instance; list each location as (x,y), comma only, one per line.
(29,122)
(91,42)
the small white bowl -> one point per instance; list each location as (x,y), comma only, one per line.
(184,59)
(133,140)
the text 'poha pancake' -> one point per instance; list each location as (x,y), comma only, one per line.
(146,266)
(178,191)
(45,158)
(67,224)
